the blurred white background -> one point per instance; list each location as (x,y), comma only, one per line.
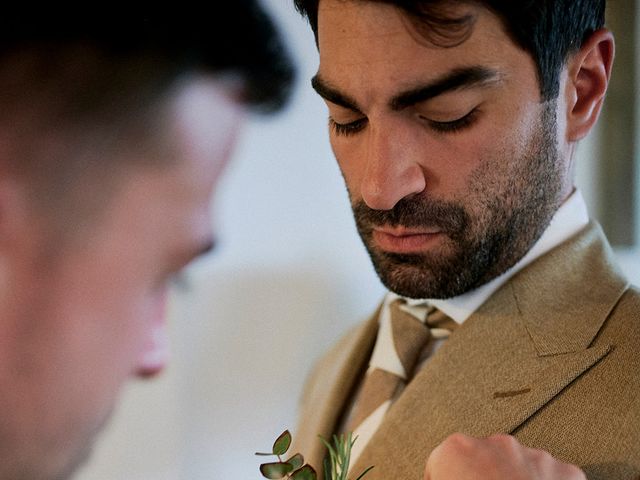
(290,275)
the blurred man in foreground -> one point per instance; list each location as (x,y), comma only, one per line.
(113,132)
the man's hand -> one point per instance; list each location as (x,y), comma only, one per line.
(461,457)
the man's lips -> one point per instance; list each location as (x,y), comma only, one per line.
(406,240)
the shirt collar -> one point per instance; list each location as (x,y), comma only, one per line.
(569,219)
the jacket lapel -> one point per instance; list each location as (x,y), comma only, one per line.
(528,342)
(332,386)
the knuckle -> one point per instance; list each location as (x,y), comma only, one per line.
(501,437)
(455,444)
(573,472)
(507,442)
(459,440)
(540,455)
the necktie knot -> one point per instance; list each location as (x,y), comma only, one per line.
(439,324)
(409,334)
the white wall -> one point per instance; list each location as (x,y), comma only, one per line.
(290,276)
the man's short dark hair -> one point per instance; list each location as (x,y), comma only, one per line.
(549,30)
(81,94)
(236,37)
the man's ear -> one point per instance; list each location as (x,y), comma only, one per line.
(589,71)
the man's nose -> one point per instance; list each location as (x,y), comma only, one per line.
(392,167)
(155,355)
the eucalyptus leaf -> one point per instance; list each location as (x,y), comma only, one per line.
(305,473)
(336,462)
(275,470)
(296,461)
(282,443)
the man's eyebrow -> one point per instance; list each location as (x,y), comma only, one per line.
(456,79)
(332,94)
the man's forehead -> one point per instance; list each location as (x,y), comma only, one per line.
(393,57)
(363,22)
(450,20)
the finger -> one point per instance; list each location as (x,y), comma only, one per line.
(507,444)
(452,453)
(550,467)
(427,473)
(431,460)
(573,472)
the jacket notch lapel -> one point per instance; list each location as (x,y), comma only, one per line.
(562,312)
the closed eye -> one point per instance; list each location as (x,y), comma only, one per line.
(453,126)
(347,129)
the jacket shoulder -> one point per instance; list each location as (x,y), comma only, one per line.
(625,316)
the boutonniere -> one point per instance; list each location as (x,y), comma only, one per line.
(336,464)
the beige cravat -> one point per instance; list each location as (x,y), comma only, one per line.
(381,387)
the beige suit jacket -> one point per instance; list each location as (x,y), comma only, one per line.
(553,357)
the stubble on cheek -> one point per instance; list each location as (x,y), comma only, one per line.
(527,191)
(509,200)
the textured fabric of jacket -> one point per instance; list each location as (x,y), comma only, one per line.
(553,357)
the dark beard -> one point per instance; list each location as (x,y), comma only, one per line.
(478,248)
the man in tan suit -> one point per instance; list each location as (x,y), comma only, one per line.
(455,125)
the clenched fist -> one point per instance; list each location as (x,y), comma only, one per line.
(461,457)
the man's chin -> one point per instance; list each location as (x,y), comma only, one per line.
(415,276)
(83,450)
(80,459)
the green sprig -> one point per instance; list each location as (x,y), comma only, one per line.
(336,464)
